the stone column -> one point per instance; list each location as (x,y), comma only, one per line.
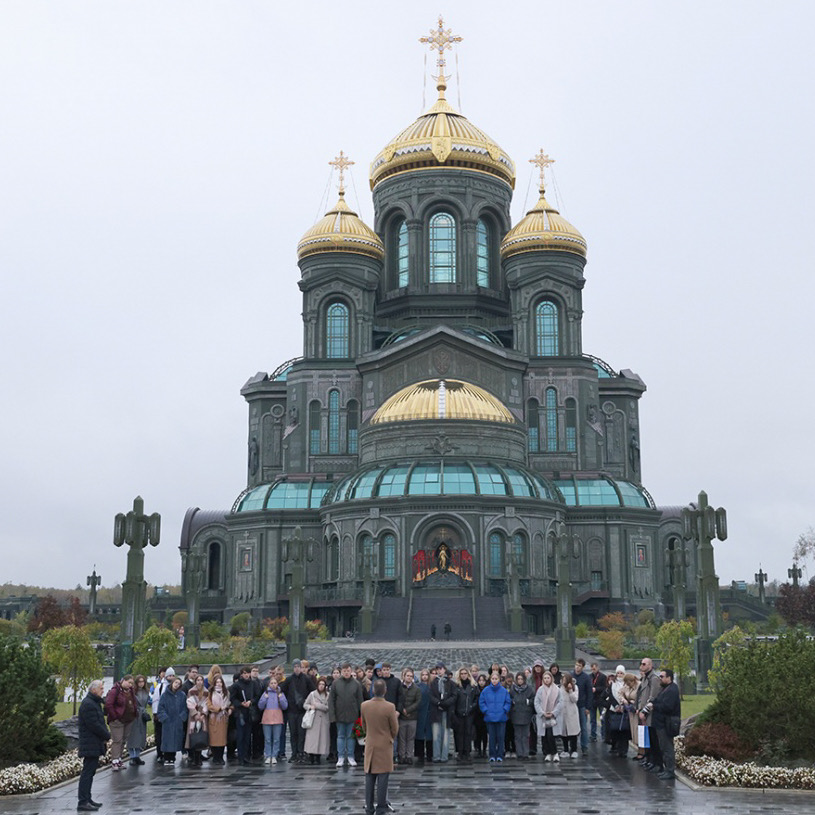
(564,632)
(192,574)
(296,551)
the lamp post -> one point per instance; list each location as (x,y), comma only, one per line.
(296,551)
(701,524)
(137,530)
(761,579)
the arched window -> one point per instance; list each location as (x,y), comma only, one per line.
(571,425)
(365,554)
(442,248)
(533,425)
(332,559)
(314,428)
(337,332)
(519,553)
(551,420)
(214,566)
(352,423)
(546,329)
(402,254)
(496,554)
(388,557)
(333,423)
(482,253)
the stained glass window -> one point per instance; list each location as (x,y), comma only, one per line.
(442,248)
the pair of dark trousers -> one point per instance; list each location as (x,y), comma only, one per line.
(243,735)
(463,733)
(297,734)
(666,746)
(378,781)
(548,743)
(653,752)
(89,765)
(522,740)
(157,730)
(407,738)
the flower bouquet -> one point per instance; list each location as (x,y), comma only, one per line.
(358,732)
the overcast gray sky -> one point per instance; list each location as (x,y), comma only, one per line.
(159,162)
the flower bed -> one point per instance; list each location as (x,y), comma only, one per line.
(27,778)
(716,772)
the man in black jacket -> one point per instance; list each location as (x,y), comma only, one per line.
(242,696)
(467,693)
(667,713)
(442,700)
(598,692)
(93,739)
(297,688)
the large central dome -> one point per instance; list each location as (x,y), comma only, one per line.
(442,399)
(442,137)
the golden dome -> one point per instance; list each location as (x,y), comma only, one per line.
(442,138)
(442,399)
(543,227)
(341,230)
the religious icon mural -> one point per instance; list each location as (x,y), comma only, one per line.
(443,555)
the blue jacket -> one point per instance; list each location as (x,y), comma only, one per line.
(585,689)
(172,713)
(495,703)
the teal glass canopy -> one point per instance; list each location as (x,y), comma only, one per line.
(602,492)
(283,495)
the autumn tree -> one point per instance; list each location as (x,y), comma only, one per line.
(75,614)
(48,614)
(69,652)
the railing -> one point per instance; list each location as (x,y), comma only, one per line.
(326,594)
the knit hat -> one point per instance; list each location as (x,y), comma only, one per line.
(620,669)
(169,672)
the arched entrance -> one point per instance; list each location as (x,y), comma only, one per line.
(443,560)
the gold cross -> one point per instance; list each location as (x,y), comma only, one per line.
(542,161)
(341,162)
(440,40)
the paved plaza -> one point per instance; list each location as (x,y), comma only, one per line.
(585,786)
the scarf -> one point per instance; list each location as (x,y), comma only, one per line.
(549,697)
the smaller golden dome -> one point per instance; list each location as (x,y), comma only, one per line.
(341,230)
(442,399)
(542,228)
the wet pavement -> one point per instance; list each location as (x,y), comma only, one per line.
(584,786)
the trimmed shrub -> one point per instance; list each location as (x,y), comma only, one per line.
(717,740)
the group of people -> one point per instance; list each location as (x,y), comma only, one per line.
(491,714)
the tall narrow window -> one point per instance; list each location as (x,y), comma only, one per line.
(352,422)
(314,428)
(533,425)
(551,420)
(546,329)
(571,426)
(336,331)
(442,248)
(402,254)
(388,557)
(333,423)
(482,253)
(214,571)
(519,553)
(496,554)
(365,554)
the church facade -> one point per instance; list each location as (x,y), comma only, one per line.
(444,435)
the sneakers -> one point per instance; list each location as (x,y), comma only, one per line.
(352,762)
(274,761)
(116,764)
(267,760)
(547,758)
(564,754)
(574,755)
(340,762)
(556,757)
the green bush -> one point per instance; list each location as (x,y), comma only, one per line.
(582,630)
(31,695)
(239,624)
(213,631)
(766,690)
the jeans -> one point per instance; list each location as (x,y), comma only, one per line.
(89,765)
(345,740)
(495,734)
(440,738)
(271,739)
(584,728)
(593,719)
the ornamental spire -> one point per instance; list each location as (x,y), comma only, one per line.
(542,161)
(441,39)
(341,163)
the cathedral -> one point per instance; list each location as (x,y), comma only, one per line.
(444,437)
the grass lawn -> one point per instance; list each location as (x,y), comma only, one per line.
(64,711)
(696,704)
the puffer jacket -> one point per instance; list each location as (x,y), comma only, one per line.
(523,704)
(495,703)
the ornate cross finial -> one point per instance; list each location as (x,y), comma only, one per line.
(441,40)
(341,162)
(542,161)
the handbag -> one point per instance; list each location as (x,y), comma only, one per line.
(199,740)
(308,719)
(145,716)
(643,739)
(550,722)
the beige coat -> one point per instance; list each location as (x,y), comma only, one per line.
(219,711)
(318,736)
(381,726)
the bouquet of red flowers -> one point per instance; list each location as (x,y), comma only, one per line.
(358,731)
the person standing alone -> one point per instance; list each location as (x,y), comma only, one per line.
(93,738)
(381,726)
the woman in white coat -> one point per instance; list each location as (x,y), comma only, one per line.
(318,736)
(568,723)
(548,706)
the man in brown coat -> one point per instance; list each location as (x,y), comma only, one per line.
(381,726)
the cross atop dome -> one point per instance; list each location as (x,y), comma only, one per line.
(341,162)
(441,40)
(542,161)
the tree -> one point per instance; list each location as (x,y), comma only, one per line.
(796,604)
(69,652)
(805,545)
(155,648)
(613,621)
(25,732)
(675,642)
(48,614)
(611,643)
(75,613)
(239,624)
